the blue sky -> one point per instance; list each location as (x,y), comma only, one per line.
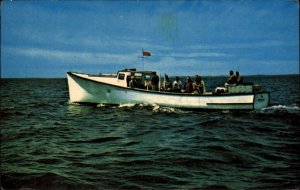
(209,37)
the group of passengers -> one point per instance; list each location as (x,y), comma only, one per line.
(235,78)
(196,87)
(154,82)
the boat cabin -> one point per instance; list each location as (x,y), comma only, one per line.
(143,78)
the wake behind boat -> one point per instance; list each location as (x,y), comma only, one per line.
(115,89)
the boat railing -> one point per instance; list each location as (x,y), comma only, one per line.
(233,88)
(103,75)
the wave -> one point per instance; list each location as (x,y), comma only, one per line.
(163,109)
(40,181)
(126,105)
(97,140)
(153,107)
(293,109)
(73,103)
(101,105)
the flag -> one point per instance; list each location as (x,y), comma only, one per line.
(145,53)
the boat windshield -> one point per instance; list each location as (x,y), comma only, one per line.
(138,74)
(121,76)
(148,77)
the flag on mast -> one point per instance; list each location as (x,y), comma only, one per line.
(146,53)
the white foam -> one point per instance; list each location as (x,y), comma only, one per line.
(126,105)
(281,108)
(101,105)
(73,103)
(162,109)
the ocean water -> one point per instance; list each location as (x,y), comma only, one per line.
(48,143)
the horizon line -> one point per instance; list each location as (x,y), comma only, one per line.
(253,75)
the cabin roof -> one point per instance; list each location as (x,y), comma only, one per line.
(135,71)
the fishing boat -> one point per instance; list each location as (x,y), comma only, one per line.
(114,89)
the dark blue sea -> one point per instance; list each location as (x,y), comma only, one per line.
(49,143)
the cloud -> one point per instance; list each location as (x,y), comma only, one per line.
(72,57)
(248,45)
(174,66)
(197,55)
(206,37)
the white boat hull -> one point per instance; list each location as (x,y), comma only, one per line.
(84,90)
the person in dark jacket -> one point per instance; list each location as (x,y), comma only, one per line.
(188,86)
(232,78)
(154,81)
(240,80)
(132,82)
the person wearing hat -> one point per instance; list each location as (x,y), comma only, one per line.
(132,82)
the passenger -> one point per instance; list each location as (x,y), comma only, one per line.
(167,83)
(240,80)
(177,85)
(154,81)
(188,86)
(198,85)
(132,82)
(232,78)
(167,79)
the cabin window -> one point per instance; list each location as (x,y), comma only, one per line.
(138,74)
(121,76)
(147,77)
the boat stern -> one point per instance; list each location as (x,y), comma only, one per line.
(261,100)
